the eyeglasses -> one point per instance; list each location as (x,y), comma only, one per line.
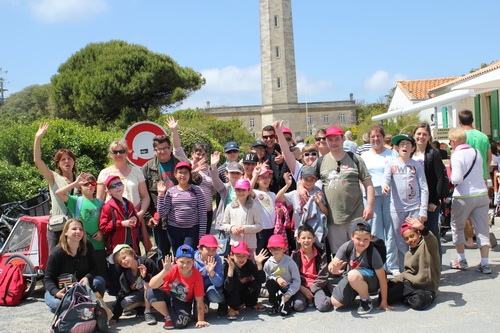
(90,184)
(267,137)
(288,138)
(162,149)
(318,139)
(338,166)
(115,185)
(121,151)
(313,153)
(232,152)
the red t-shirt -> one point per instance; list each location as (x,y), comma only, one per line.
(308,269)
(181,287)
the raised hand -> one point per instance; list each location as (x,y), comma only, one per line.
(288,178)
(214,159)
(143,270)
(230,263)
(263,255)
(210,264)
(335,267)
(172,123)
(318,197)
(167,263)
(278,125)
(279,158)
(42,129)
(160,186)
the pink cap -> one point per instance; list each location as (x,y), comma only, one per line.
(240,247)
(276,241)
(334,130)
(264,170)
(242,184)
(286,130)
(183,164)
(109,179)
(208,241)
(406,226)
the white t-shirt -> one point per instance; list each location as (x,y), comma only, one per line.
(375,163)
(266,202)
(130,183)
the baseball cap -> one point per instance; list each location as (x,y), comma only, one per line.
(406,226)
(257,143)
(307,171)
(396,139)
(234,167)
(242,183)
(361,225)
(231,146)
(334,130)
(240,247)
(286,130)
(184,251)
(250,158)
(208,241)
(264,170)
(118,248)
(276,241)
(109,179)
(183,164)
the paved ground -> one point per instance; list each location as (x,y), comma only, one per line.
(468,301)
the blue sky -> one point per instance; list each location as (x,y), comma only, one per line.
(341,47)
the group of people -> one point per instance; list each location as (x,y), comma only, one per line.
(290,217)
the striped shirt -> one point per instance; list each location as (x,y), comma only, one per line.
(184,209)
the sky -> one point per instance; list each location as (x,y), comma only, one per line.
(341,47)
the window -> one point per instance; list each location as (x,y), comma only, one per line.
(342,118)
(278,82)
(276,21)
(326,119)
(309,120)
(252,122)
(309,132)
(277,51)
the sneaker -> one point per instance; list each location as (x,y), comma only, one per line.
(149,318)
(264,293)
(259,307)
(365,307)
(128,313)
(485,269)
(284,308)
(273,311)
(169,324)
(459,264)
(232,314)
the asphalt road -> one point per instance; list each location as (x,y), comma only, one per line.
(467,301)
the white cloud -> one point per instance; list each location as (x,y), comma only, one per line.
(232,79)
(308,88)
(381,81)
(66,10)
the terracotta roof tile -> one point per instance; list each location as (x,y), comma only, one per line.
(483,70)
(418,89)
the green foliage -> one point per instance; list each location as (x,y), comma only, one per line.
(119,83)
(31,103)
(19,182)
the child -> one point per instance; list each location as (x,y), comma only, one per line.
(315,289)
(242,218)
(418,283)
(410,194)
(359,277)
(243,278)
(134,282)
(283,277)
(265,199)
(249,161)
(314,211)
(172,290)
(208,262)
(87,209)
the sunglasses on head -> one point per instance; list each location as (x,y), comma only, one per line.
(90,184)
(115,185)
(268,136)
(313,153)
(320,139)
(121,151)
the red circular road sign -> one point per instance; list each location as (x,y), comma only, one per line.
(139,139)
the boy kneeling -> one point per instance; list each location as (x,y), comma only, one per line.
(362,275)
(171,291)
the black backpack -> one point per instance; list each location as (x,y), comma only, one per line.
(320,160)
(376,243)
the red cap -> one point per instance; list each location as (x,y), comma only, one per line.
(208,241)
(276,241)
(334,130)
(183,164)
(109,179)
(240,247)
(406,226)
(286,130)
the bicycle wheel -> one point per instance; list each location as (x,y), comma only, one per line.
(28,270)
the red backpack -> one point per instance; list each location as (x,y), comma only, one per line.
(12,285)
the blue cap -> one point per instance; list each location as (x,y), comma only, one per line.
(185,251)
(231,146)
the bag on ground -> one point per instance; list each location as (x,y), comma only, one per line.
(12,285)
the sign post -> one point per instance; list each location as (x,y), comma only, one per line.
(139,139)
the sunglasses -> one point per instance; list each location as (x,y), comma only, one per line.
(320,139)
(121,151)
(115,185)
(232,152)
(162,149)
(311,154)
(338,166)
(268,136)
(90,184)
(288,138)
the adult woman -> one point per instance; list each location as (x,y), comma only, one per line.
(185,207)
(64,161)
(133,181)
(73,260)
(376,159)
(435,174)
(198,158)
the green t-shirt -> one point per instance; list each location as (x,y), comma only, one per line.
(231,196)
(480,141)
(342,190)
(89,215)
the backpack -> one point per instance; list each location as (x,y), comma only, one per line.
(445,190)
(320,160)
(79,311)
(12,285)
(376,243)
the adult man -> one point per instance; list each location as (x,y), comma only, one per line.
(341,174)
(269,138)
(349,145)
(275,159)
(231,150)
(476,139)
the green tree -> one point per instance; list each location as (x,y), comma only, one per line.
(29,104)
(119,83)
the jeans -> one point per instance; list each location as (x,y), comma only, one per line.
(53,302)
(382,228)
(161,240)
(181,236)
(433,224)
(214,295)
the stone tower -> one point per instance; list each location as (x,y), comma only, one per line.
(277,55)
